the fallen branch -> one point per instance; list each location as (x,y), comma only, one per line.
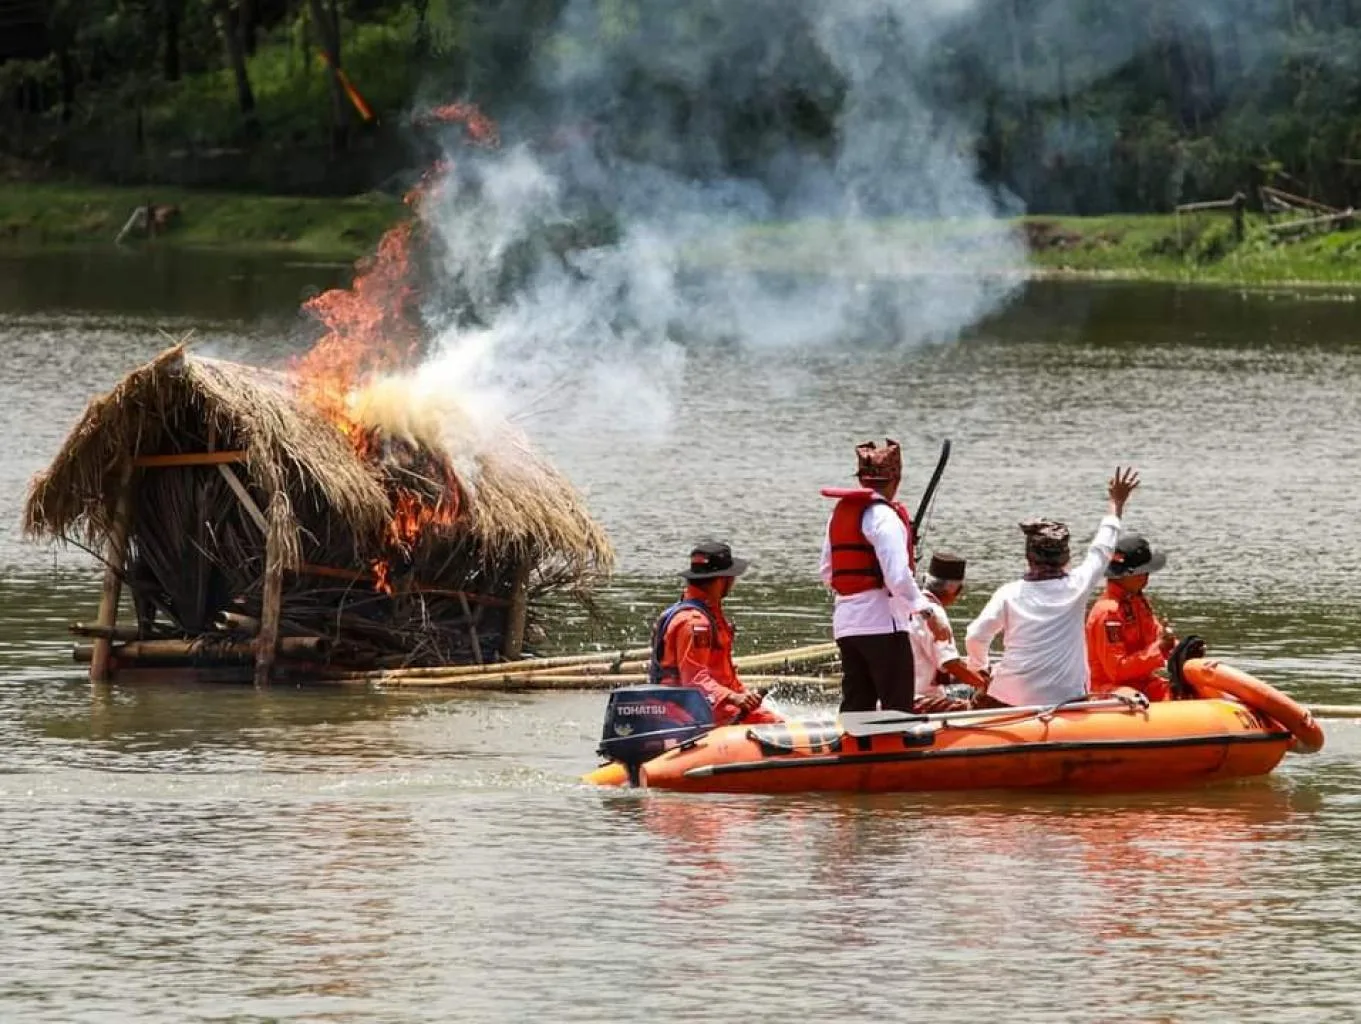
(1289,199)
(1339,219)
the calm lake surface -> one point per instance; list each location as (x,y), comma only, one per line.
(217,854)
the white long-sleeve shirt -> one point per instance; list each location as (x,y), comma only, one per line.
(886,609)
(929,655)
(1042,626)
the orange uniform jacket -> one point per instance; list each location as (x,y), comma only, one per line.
(704,658)
(1123,644)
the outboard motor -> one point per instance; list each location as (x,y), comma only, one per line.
(643,721)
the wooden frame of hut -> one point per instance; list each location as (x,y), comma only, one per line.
(255,538)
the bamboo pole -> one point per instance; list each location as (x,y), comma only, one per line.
(121,633)
(810,655)
(474,641)
(513,643)
(267,639)
(207,649)
(115,555)
(238,623)
(1335,710)
(606,665)
(544,682)
(188,459)
(536,665)
(243,496)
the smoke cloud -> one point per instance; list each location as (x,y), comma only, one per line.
(667,184)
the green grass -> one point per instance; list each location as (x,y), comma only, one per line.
(69,214)
(1150,247)
(1200,248)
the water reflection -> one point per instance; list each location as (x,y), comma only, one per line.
(203,286)
(185,853)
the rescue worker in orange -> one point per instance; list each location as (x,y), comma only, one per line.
(692,641)
(1126,642)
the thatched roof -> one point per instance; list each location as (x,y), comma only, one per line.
(519,501)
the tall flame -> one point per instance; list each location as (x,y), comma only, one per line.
(371,332)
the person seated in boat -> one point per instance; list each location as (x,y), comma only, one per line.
(1041,617)
(937,664)
(692,640)
(1127,644)
(867,559)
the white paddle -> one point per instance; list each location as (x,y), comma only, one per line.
(875,723)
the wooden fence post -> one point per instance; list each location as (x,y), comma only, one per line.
(514,640)
(267,640)
(115,557)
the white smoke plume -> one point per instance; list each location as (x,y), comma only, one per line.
(630,215)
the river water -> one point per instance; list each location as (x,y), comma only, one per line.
(174,853)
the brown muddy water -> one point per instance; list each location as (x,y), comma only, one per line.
(173,853)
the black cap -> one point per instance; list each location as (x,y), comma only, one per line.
(1133,557)
(945,566)
(711,559)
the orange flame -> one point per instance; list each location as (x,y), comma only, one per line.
(481,129)
(367,331)
(370,330)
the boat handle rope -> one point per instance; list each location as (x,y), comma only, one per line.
(1131,701)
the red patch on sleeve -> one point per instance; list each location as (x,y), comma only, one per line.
(701,635)
(1114,634)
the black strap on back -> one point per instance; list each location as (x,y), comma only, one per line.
(656,674)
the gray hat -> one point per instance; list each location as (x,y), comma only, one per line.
(711,559)
(1133,557)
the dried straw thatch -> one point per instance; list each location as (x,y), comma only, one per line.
(159,407)
(198,551)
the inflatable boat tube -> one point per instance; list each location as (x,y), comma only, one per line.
(1214,677)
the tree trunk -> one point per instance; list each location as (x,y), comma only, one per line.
(250,23)
(174,13)
(68,84)
(422,41)
(229,23)
(327,23)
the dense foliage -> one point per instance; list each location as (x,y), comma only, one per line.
(1083,106)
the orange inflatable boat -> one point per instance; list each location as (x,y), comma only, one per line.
(1229,726)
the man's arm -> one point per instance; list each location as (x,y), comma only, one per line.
(957,669)
(883,529)
(982,630)
(1084,577)
(1118,490)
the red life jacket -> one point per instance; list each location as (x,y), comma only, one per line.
(855,567)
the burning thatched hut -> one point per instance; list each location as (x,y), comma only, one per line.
(250,526)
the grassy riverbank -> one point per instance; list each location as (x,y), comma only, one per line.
(1143,247)
(1198,249)
(1150,247)
(66,215)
